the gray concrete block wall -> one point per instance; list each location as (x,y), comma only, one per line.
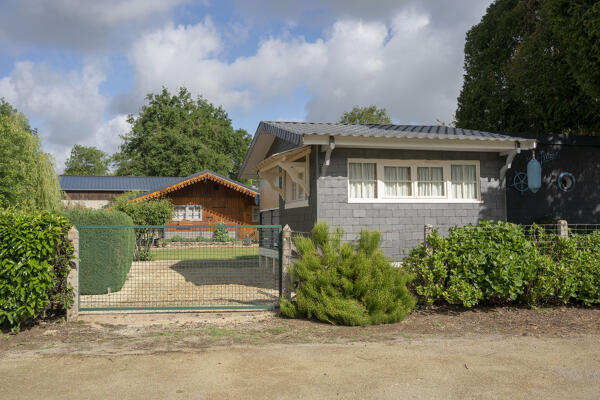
(402,224)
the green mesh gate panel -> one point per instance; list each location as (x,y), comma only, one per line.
(179,267)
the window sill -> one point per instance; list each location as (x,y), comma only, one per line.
(296,204)
(416,201)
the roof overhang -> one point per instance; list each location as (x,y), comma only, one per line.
(285,156)
(453,144)
(195,179)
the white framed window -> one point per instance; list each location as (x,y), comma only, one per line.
(413,181)
(362,178)
(295,194)
(187,213)
(430,181)
(463,181)
(396,181)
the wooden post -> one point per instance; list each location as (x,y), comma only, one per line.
(73,278)
(563,228)
(286,260)
(427,233)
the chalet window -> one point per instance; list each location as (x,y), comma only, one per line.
(464,181)
(363,180)
(396,181)
(188,213)
(430,181)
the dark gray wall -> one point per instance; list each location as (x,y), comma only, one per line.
(301,218)
(402,224)
(579,206)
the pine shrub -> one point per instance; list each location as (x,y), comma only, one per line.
(346,284)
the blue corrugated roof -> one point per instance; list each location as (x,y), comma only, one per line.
(115,183)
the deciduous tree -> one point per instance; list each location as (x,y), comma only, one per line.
(87,161)
(366,115)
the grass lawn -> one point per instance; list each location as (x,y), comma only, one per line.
(205,253)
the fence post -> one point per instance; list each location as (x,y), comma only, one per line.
(426,234)
(286,260)
(73,277)
(563,228)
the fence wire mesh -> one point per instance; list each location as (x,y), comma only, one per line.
(179,267)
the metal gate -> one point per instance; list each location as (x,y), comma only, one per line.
(179,267)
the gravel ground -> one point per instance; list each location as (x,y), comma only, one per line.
(440,353)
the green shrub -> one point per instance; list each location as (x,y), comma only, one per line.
(147,212)
(35,256)
(500,263)
(105,253)
(221,233)
(344,284)
(575,272)
(489,263)
(176,238)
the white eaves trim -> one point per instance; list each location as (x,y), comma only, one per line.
(456,144)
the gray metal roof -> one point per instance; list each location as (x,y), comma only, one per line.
(114,183)
(293,131)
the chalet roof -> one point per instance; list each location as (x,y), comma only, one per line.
(194,178)
(114,183)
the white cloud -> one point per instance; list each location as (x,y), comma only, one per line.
(82,25)
(411,65)
(67,108)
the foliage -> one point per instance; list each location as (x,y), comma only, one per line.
(502,263)
(344,284)
(177,136)
(524,71)
(27,176)
(35,260)
(366,115)
(87,161)
(147,212)
(105,254)
(221,233)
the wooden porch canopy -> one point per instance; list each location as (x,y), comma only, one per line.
(199,177)
(267,169)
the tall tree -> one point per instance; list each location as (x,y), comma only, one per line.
(517,75)
(175,135)
(27,175)
(87,161)
(366,115)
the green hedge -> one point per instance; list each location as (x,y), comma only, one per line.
(35,259)
(105,253)
(500,263)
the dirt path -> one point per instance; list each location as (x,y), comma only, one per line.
(485,368)
(551,353)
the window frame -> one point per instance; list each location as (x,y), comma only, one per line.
(187,212)
(290,202)
(380,196)
(376,188)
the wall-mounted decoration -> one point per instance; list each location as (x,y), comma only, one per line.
(548,156)
(534,174)
(520,182)
(566,181)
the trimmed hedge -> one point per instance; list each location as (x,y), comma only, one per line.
(35,259)
(503,263)
(105,254)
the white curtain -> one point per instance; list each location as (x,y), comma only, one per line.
(464,182)
(396,181)
(362,180)
(431,181)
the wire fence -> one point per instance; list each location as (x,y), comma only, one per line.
(179,267)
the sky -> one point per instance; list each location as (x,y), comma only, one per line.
(78,68)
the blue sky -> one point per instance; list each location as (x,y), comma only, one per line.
(77,68)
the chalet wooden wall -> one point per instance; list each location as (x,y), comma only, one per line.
(91,195)
(219,203)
